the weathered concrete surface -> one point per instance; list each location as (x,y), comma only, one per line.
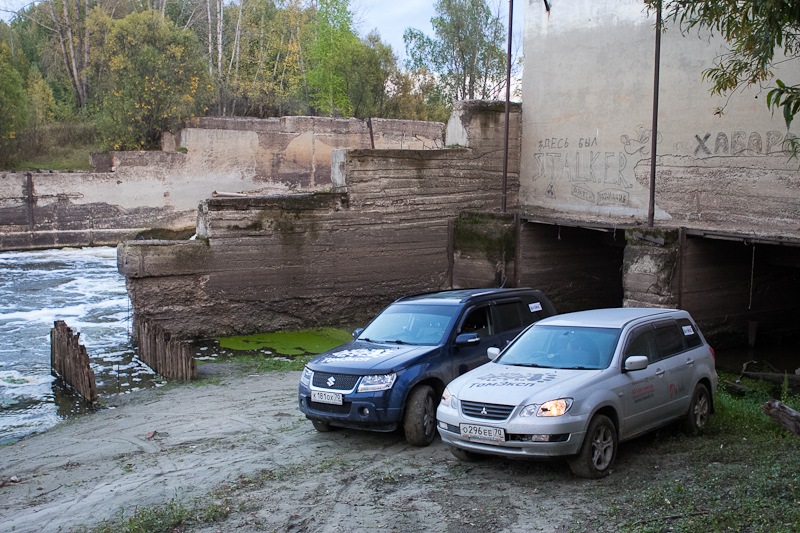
(140,194)
(587,129)
(324,258)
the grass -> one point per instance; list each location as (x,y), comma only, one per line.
(741,474)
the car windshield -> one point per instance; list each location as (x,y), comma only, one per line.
(566,347)
(410,324)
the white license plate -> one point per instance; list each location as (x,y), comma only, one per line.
(319,396)
(471,431)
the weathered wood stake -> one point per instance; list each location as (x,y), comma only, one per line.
(784,415)
(69,361)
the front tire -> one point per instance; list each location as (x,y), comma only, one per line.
(598,451)
(419,420)
(699,409)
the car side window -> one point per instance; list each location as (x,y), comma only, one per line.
(642,342)
(509,316)
(669,339)
(478,321)
(689,331)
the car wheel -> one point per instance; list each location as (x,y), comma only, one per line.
(466,455)
(598,451)
(322,427)
(699,409)
(419,421)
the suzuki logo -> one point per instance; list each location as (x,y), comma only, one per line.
(483,411)
(331,381)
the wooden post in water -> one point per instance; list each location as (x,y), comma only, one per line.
(172,358)
(69,361)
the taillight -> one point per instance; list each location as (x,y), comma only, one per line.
(713,354)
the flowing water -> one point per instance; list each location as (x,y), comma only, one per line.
(83,288)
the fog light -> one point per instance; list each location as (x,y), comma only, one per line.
(442,425)
(364,411)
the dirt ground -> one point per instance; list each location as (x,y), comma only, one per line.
(241,440)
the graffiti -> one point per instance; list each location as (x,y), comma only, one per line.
(640,141)
(554,142)
(583,194)
(740,143)
(588,167)
(613,197)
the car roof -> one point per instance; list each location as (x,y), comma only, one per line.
(617,317)
(458,296)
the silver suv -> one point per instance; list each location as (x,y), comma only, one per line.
(577,384)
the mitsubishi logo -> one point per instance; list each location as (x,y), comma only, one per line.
(483,411)
(331,381)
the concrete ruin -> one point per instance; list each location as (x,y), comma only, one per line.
(138,195)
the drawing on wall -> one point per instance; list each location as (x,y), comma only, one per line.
(640,142)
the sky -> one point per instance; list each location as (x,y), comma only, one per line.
(390,18)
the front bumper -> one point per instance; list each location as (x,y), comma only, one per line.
(358,411)
(566,434)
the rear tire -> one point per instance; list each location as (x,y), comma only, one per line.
(598,451)
(322,427)
(699,409)
(419,420)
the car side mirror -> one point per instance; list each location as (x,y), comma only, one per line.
(467,339)
(636,362)
(493,353)
(357,332)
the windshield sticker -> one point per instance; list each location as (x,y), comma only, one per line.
(358,355)
(511,380)
(535,306)
(687,330)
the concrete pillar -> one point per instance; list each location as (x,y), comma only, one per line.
(650,269)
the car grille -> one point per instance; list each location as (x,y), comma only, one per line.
(342,382)
(329,408)
(487,411)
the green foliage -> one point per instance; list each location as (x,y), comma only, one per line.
(333,43)
(13,105)
(467,54)
(761,35)
(155,79)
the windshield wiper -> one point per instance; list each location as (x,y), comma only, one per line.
(530,365)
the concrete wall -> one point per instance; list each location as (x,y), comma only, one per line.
(141,194)
(587,122)
(326,258)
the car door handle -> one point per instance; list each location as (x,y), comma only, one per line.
(689,361)
(660,372)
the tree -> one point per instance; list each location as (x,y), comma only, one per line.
(326,77)
(468,52)
(369,65)
(156,78)
(761,35)
(13,105)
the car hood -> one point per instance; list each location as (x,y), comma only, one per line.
(516,385)
(359,357)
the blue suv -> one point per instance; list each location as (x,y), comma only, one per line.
(394,371)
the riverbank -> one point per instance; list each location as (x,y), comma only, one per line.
(242,435)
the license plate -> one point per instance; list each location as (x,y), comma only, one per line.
(334,398)
(471,431)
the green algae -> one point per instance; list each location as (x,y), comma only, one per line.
(309,341)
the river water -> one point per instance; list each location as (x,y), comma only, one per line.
(83,288)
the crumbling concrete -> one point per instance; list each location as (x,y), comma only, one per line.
(135,195)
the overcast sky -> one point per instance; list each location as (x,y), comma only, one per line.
(390,18)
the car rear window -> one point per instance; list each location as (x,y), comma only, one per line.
(509,316)
(669,339)
(689,331)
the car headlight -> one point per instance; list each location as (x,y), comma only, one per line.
(550,408)
(449,399)
(377,383)
(305,378)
